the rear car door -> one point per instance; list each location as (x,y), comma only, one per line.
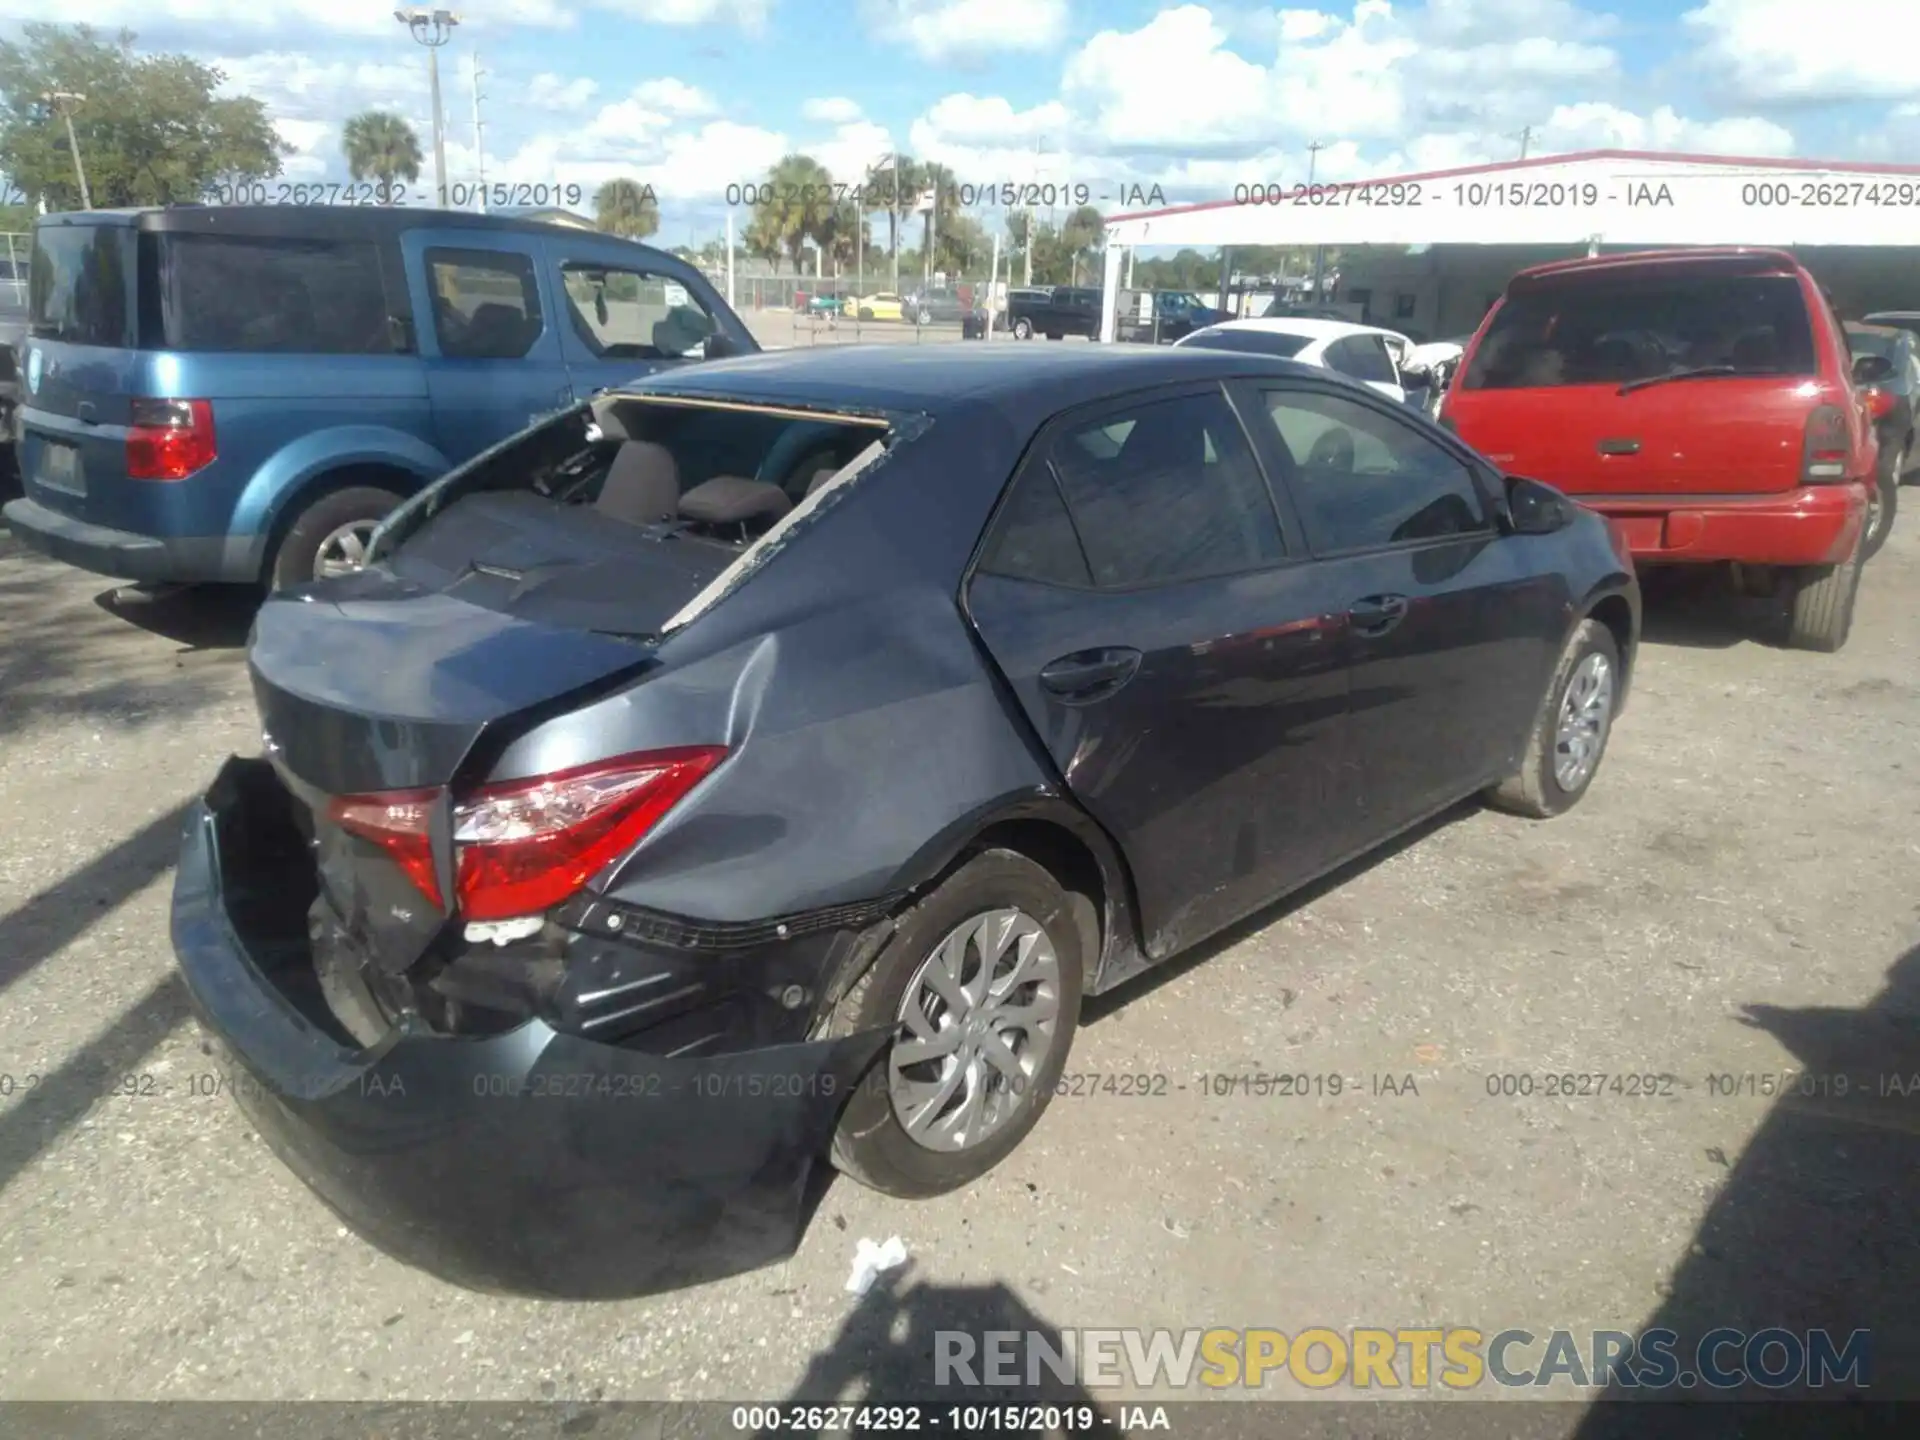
(1446,617)
(488,329)
(625,314)
(1173,655)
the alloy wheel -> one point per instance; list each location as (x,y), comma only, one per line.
(1586,709)
(978,1023)
(344,550)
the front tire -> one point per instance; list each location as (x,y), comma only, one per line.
(329,537)
(1886,500)
(1023,329)
(1570,733)
(981,983)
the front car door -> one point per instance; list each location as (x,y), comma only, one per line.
(1446,615)
(1178,661)
(1366,358)
(485,322)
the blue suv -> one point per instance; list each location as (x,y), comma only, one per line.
(240,394)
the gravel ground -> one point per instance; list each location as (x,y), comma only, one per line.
(1737,896)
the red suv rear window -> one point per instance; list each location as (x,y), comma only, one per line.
(1609,333)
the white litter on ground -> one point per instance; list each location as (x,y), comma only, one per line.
(870,1261)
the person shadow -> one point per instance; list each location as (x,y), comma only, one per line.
(1816,1226)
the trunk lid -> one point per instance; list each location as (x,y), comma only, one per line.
(386,681)
(1645,384)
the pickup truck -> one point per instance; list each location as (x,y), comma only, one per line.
(1164,316)
(1054,312)
(241,394)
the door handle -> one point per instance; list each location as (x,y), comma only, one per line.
(1621,445)
(1089,675)
(1377,614)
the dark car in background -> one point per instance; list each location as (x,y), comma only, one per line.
(1892,394)
(1055,312)
(942,306)
(729,825)
(13,334)
(1704,399)
(240,394)
(1164,316)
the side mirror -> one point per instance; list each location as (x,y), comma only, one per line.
(1872,369)
(720,346)
(1534,508)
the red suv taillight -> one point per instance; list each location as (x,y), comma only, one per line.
(1828,446)
(524,846)
(169,439)
(1879,403)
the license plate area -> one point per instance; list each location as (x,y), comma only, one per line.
(57,466)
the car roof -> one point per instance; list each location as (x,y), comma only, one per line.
(317,222)
(1309,328)
(1026,383)
(1729,259)
(1893,315)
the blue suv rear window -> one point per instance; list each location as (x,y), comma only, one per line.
(264,295)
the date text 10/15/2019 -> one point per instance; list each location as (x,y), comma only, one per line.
(461,194)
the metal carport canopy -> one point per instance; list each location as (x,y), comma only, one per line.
(1610,197)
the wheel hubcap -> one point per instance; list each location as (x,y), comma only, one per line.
(1585,712)
(344,550)
(977,1024)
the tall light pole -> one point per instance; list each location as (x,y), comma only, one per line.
(433,28)
(1319,251)
(63,102)
(479,133)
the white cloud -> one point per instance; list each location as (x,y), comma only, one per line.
(230,16)
(675,97)
(976,119)
(963,30)
(1595,125)
(1220,96)
(1809,50)
(547,91)
(315,145)
(831,110)
(852,151)
(748,15)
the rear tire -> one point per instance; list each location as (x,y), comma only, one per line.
(872,1144)
(353,510)
(1023,329)
(1574,716)
(1820,605)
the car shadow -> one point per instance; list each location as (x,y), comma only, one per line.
(1812,1227)
(1697,608)
(195,617)
(1135,987)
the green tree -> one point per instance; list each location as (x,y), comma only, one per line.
(893,185)
(1084,235)
(797,204)
(763,240)
(150,130)
(381,146)
(961,246)
(626,207)
(843,231)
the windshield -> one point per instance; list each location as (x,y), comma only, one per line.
(1248,342)
(1621,332)
(79,281)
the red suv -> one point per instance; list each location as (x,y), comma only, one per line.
(1701,399)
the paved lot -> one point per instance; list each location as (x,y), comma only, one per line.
(1750,843)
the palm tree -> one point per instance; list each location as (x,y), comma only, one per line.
(380,146)
(798,204)
(894,183)
(844,229)
(626,207)
(1084,235)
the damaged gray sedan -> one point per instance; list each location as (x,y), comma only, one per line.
(758,765)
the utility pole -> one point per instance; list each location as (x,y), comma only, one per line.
(1526,141)
(479,131)
(1319,251)
(433,28)
(63,102)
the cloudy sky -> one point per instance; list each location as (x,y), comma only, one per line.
(692,96)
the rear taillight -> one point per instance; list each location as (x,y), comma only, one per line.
(1827,446)
(1879,403)
(169,439)
(524,846)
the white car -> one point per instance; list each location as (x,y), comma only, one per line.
(1360,352)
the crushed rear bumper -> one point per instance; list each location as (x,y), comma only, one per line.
(531,1162)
